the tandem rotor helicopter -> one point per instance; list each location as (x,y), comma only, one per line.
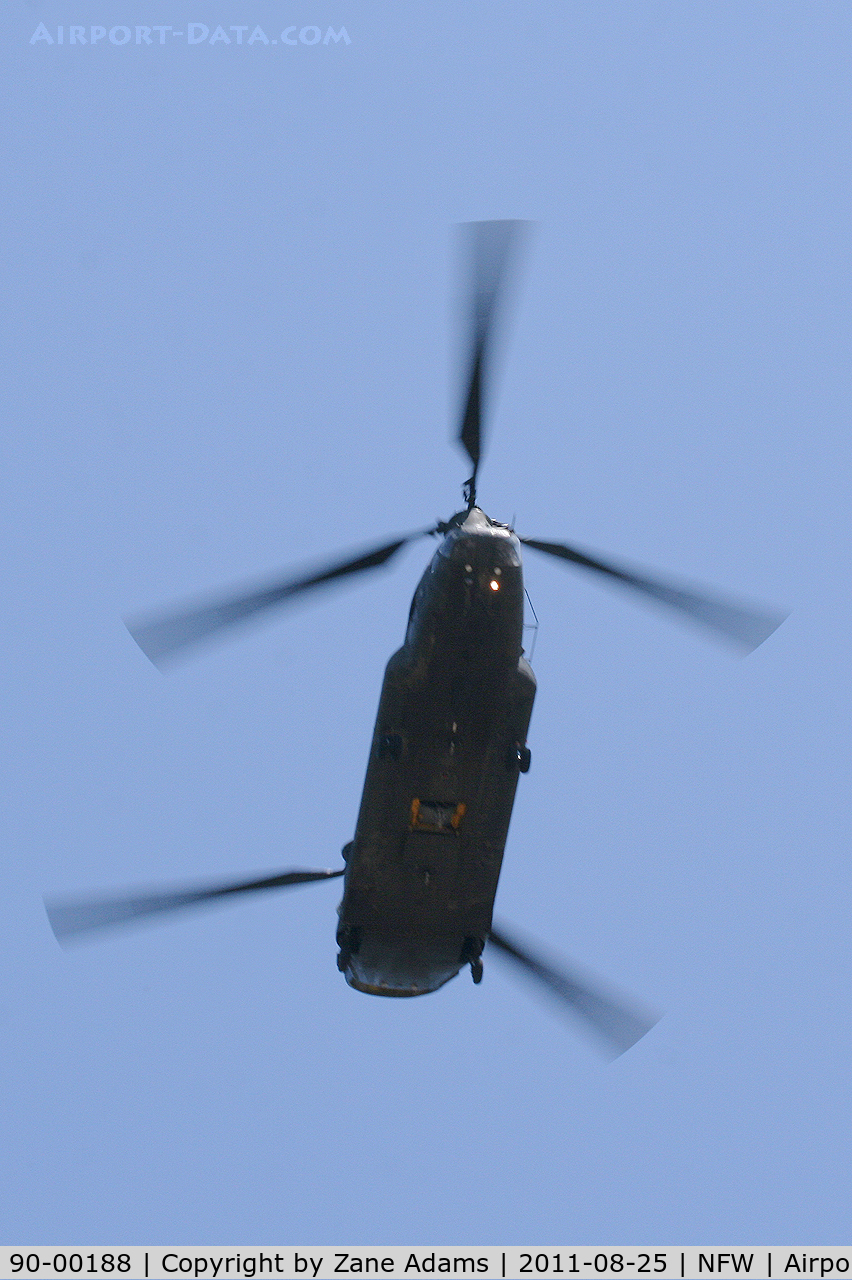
(450,738)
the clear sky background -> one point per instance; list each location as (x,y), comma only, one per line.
(231,348)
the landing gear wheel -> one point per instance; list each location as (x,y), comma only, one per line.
(518,757)
(471,953)
(349,940)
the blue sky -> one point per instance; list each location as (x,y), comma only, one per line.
(231,349)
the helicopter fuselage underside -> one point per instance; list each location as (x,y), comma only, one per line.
(448,745)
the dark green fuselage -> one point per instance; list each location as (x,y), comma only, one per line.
(449,742)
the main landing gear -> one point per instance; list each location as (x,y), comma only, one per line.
(519,757)
(472,954)
(349,940)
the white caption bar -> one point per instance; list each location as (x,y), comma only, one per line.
(317,1262)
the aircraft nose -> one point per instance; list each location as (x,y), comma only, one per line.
(481,553)
(490,566)
(476,558)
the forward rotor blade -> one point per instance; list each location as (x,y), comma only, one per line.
(71,917)
(491,247)
(745,625)
(619,1026)
(162,637)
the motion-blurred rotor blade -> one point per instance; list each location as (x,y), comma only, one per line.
(161,638)
(745,625)
(491,247)
(619,1026)
(69,917)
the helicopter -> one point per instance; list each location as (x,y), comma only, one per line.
(420,874)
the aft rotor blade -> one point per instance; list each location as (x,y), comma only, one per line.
(745,625)
(69,918)
(492,247)
(163,636)
(619,1026)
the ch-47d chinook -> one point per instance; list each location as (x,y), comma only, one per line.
(450,739)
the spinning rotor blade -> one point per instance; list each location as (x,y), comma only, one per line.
(619,1026)
(160,638)
(492,245)
(69,918)
(746,626)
